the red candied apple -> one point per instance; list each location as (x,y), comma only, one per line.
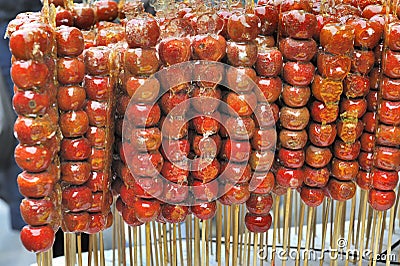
(269,62)
(266,115)
(264,42)
(98,222)
(298,73)
(367,34)
(148,187)
(84,16)
(142,32)
(208,47)
(174,50)
(295,96)
(293,140)
(240,104)
(177,103)
(389,112)
(366,161)
(291,158)
(237,193)
(312,197)
(30,131)
(37,185)
(264,139)
(75,173)
(318,157)
(97,60)
(262,183)
(70,70)
(204,191)
(241,54)
(141,62)
(207,124)
(316,177)
(243,27)
(70,41)
(258,223)
(279,190)
(129,216)
(294,118)
(364,180)
(175,172)
(206,100)
(388,135)
(269,17)
(206,146)
(390,89)
(77,199)
(345,151)
(324,113)
(298,50)
(356,107)
(175,150)
(37,212)
(106,10)
(292,5)
(269,89)
(373,9)
(244,80)
(261,160)
(147,210)
(259,204)
(141,90)
(30,43)
(143,115)
(369,120)
(29,74)
(335,67)
(368,142)
(128,196)
(384,180)
(204,210)
(33,159)
(205,169)
(363,61)
(174,213)
(392,36)
(98,88)
(75,149)
(341,190)
(238,128)
(174,127)
(349,129)
(235,151)
(74,124)
(387,158)
(64,17)
(381,200)
(37,239)
(289,178)
(322,135)
(298,24)
(30,102)
(146,164)
(344,170)
(97,159)
(98,113)
(71,98)
(234,172)
(326,90)
(356,86)
(110,35)
(97,136)
(337,38)
(391,68)
(75,222)
(101,202)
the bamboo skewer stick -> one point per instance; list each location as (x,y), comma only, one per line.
(276,218)
(362,236)
(235,234)
(135,253)
(325,229)
(122,244)
(148,245)
(248,248)
(261,246)
(219,233)
(286,226)
(130,245)
(208,242)
(102,258)
(383,228)
(255,249)
(188,250)
(351,229)
(308,234)
(373,237)
(227,235)
(203,243)
(196,242)
(300,233)
(39,259)
(246,242)
(79,240)
(376,241)
(180,245)
(95,251)
(90,251)
(390,235)
(165,244)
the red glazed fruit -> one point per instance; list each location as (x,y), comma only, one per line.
(258,223)
(259,204)
(293,140)
(205,210)
(341,190)
(291,158)
(316,177)
(37,185)
(243,27)
(298,50)
(37,212)
(77,199)
(174,214)
(318,157)
(208,47)
(269,62)
(269,17)
(75,149)
(324,113)
(384,180)
(344,170)
(37,239)
(298,73)
(142,32)
(294,119)
(312,197)
(337,38)
(262,183)
(74,124)
(29,74)
(75,173)
(242,54)
(141,62)
(238,193)
(289,178)
(106,10)
(33,159)
(295,96)
(335,67)
(69,41)
(71,98)
(269,89)
(147,210)
(322,135)
(381,200)
(84,16)
(30,102)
